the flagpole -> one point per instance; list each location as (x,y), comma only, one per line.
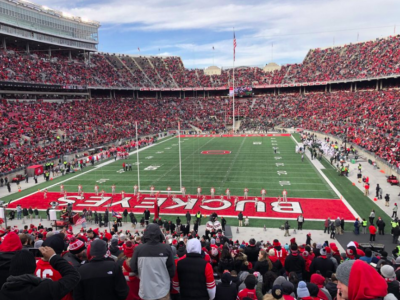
(137,157)
(233,82)
(180,157)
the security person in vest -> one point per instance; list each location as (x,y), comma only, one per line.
(364,226)
(395,231)
(198,217)
(359,168)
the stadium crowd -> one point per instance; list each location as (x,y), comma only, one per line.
(36,131)
(166,261)
(363,60)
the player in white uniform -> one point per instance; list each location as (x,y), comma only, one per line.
(183,190)
(279,200)
(236,201)
(203,199)
(246,193)
(169,191)
(212,192)
(198,192)
(113,189)
(122,194)
(102,194)
(82,195)
(45,194)
(65,195)
(135,189)
(61,189)
(152,191)
(256,203)
(228,194)
(222,198)
(263,193)
(96,190)
(79,189)
(284,194)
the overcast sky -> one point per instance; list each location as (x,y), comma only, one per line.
(190,28)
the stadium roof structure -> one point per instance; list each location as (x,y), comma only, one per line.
(52,12)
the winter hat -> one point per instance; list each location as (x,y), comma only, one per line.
(322,251)
(302,290)
(279,280)
(11,243)
(343,271)
(76,246)
(23,262)
(38,244)
(319,246)
(318,280)
(287,247)
(98,248)
(276,243)
(313,289)
(387,272)
(114,242)
(351,252)
(271,252)
(226,278)
(277,292)
(128,251)
(287,287)
(250,282)
(293,240)
(122,237)
(56,242)
(397,262)
(293,247)
(305,253)
(212,242)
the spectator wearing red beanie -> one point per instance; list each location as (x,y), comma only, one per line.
(8,248)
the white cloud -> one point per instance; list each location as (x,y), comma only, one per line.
(292,26)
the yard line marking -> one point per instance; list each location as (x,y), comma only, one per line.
(330,184)
(105,163)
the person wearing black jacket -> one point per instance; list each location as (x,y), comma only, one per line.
(252,251)
(23,284)
(223,223)
(106,219)
(133,219)
(146,216)
(125,213)
(188,217)
(100,278)
(294,262)
(25,213)
(226,289)
(381,226)
(322,264)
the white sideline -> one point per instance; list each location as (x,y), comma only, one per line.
(341,197)
(102,164)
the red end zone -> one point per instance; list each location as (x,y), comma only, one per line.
(234,135)
(312,209)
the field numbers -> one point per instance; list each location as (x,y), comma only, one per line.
(102,180)
(277,157)
(280,164)
(120,171)
(282,173)
(149,157)
(151,168)
(282,183)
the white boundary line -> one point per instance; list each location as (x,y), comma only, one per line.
(94,168)
(331,185)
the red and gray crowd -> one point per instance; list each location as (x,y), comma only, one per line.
(152,263)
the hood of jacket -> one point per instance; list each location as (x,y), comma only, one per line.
(152,234)
(18,282)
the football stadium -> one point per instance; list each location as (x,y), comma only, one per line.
(141,174)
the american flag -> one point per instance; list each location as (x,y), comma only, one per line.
(116,215)
(234,46)
(80,221)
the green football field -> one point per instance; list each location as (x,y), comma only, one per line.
(252,163)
